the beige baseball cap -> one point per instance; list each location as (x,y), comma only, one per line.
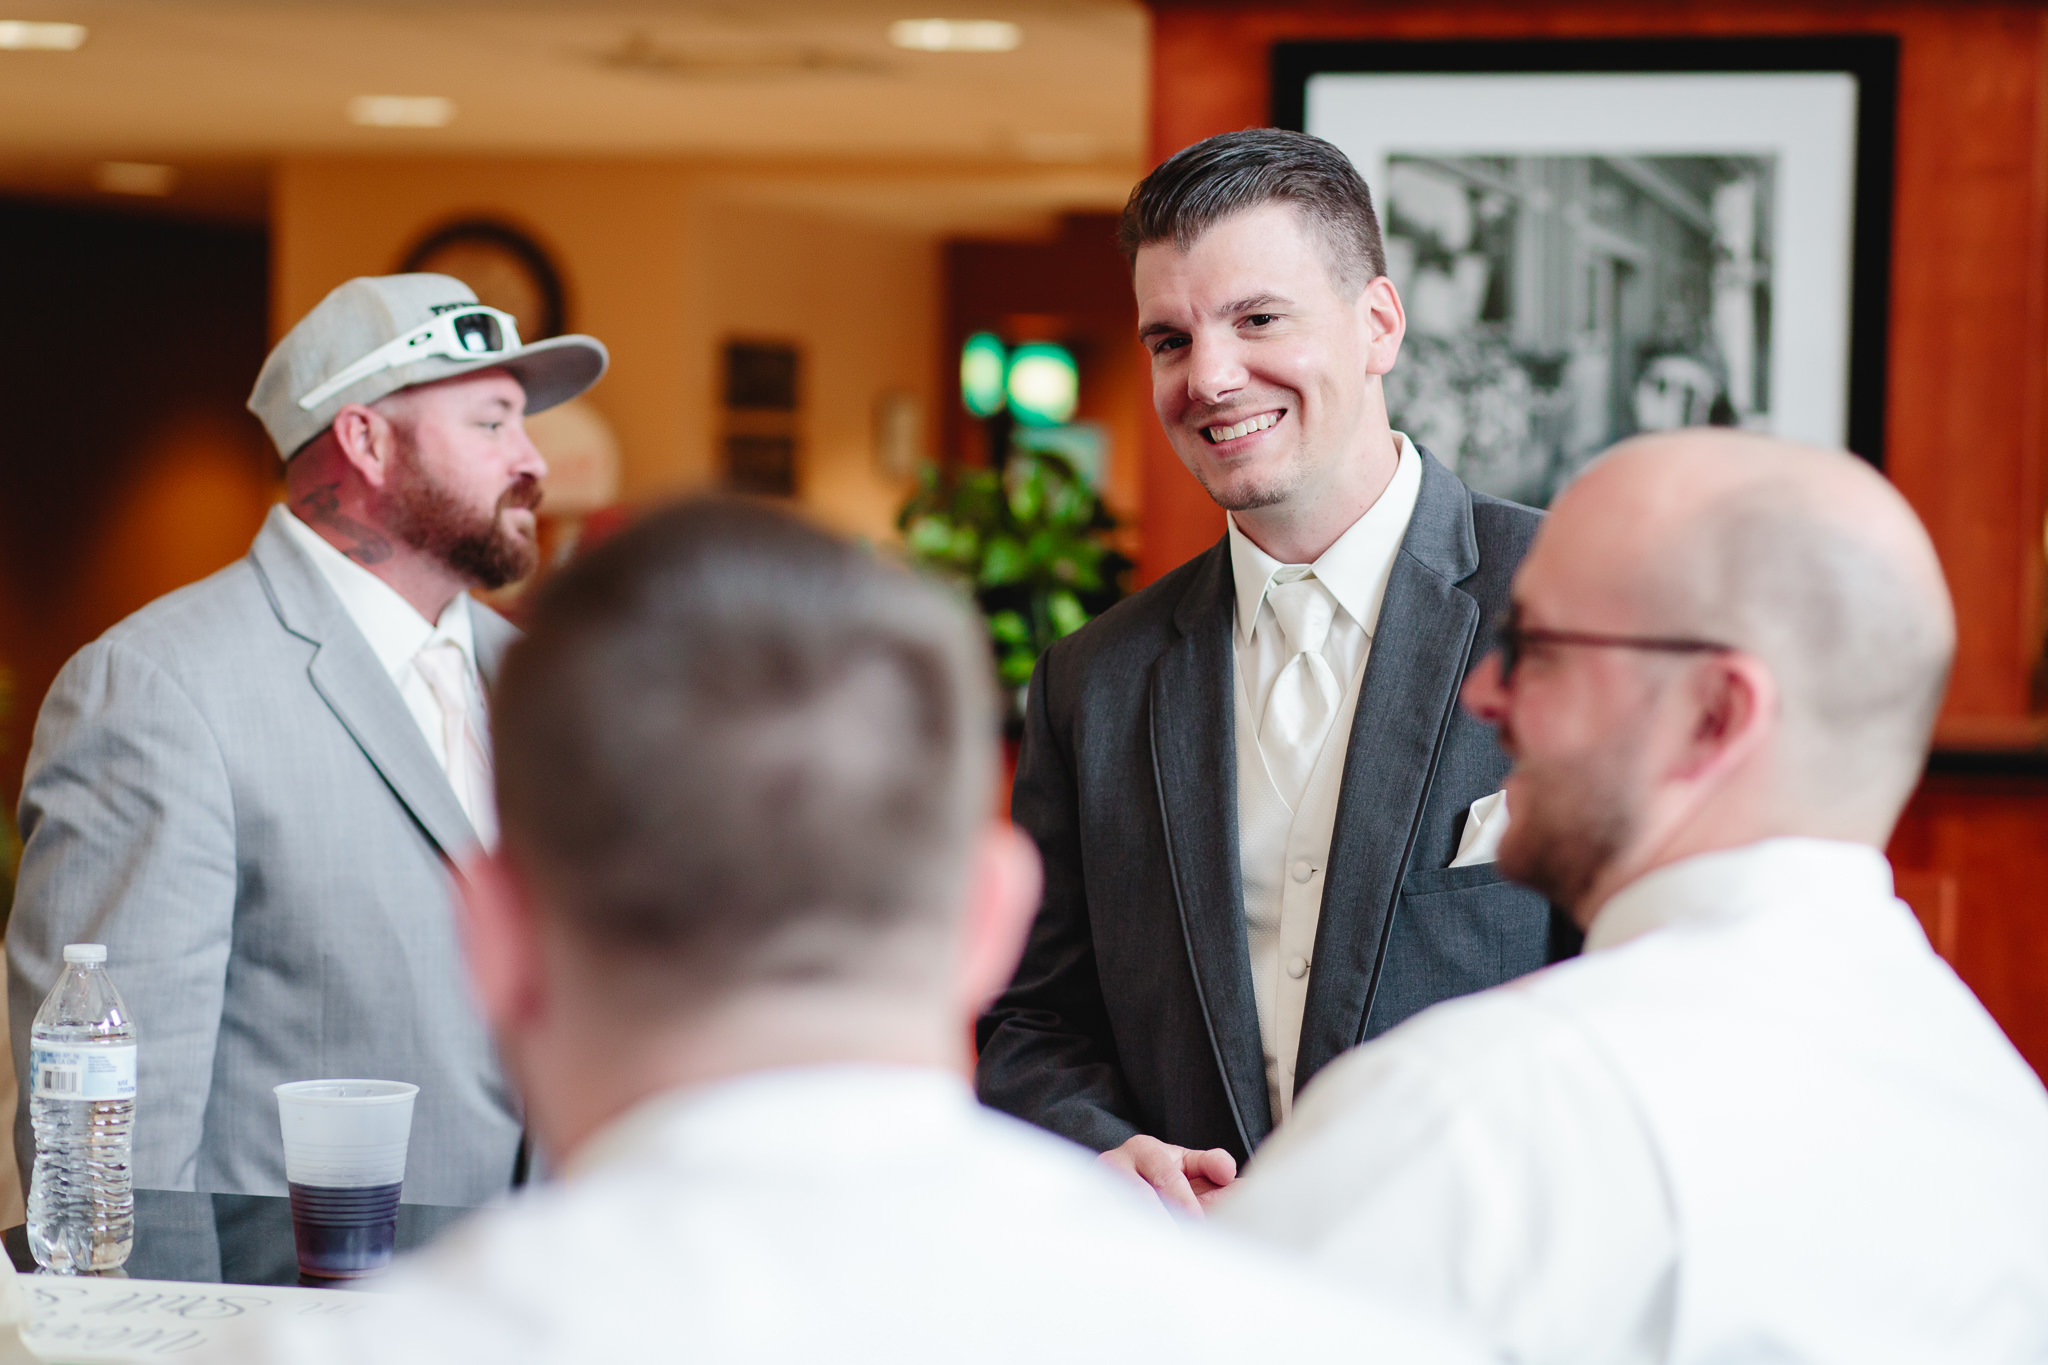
(372,311)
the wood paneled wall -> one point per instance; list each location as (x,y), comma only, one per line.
(1971,857)
(1967,414)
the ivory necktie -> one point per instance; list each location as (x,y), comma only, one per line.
(1305,696)
(464,755)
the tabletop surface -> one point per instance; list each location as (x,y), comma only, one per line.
(231,1238)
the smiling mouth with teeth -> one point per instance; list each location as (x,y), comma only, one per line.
(1218,435)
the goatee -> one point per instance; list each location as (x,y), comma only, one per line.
(482,549)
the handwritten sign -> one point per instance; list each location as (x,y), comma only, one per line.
(116,1322)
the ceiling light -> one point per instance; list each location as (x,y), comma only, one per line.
(955,35)
(135,177)
(19,35)
(401,111)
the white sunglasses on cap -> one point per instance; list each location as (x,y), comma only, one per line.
(462,332)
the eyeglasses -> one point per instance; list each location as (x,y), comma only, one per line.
(463,332)
(1516,638)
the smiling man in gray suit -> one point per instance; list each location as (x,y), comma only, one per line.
(253,790)
(1267,826)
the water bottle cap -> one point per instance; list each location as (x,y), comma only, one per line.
(85,952)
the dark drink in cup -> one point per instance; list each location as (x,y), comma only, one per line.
(343,1233)
(344,1164)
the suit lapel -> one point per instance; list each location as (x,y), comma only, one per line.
(1412,676)
(492,635)
(345,672)
(1194,760)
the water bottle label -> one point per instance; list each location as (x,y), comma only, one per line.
(92,1072)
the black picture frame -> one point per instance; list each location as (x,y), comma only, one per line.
(1872,59)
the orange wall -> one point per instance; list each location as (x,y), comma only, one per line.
(663,269)
(1969,330)
(1971,855)
(862,303)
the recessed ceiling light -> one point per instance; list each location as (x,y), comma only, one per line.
(401,111)
(135,177)
(19,35)
(955,35)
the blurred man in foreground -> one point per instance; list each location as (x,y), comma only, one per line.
(749,900)
(1760,1119)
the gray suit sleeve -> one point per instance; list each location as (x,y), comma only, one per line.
(129,840)
(1046,1050)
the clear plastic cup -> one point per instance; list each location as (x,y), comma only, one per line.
(344,1162)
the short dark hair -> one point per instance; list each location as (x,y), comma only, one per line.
(735,747)
(1198,186)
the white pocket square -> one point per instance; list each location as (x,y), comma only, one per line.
(1485,823)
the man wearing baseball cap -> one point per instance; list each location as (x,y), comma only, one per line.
(253,790)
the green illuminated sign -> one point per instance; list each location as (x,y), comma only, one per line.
(1044,384)
(981,374)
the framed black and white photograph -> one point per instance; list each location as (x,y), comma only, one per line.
(1595,238)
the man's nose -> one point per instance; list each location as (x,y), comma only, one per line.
(526,456)
(1485,694)
(1215,371)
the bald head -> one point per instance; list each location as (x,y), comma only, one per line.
(1806,559)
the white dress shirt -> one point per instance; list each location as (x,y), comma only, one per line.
(1283,851)
(1759,1120)
(397,633)
(845,1213)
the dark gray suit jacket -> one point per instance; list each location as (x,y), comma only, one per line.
(1132,1011)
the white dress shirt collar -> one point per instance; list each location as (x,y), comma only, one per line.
(1742,881)
(1355,569)
(868,1107)
(395,630)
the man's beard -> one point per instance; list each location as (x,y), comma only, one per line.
(478,547)
(1573,820)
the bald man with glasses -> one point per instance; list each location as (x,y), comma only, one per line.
(1759,1119)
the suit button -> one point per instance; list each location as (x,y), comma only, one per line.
(1303,870)
(1297,967)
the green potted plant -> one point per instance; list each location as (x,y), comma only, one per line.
(1028,540)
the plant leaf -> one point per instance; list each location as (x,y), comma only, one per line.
(1009,628)
(1003,561)
(1066,611)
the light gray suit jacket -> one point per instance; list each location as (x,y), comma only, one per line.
(227,790)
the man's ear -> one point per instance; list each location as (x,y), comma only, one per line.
(1005,883)
(367,440)
(501,940)
(1385,321)
(1734,703)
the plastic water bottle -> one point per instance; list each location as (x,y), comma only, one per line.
(81,1199)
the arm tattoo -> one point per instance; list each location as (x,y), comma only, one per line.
(322,506)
